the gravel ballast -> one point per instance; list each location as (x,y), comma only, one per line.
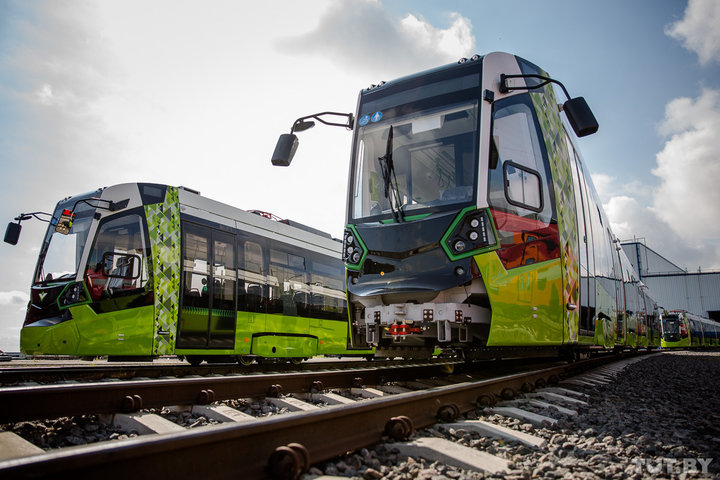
(660,418)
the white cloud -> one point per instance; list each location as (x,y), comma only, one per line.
(361,34)
(688,197)
(680,219)
(608,187)
(452,41)
(630,220)
(14,297)
(699,30)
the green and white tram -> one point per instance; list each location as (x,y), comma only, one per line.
(472,222)
(681,329)
(139,270)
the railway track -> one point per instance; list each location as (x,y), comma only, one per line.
(54,371)
(279,446)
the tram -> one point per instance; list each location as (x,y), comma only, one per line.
(681,329)
(472,222)
(139,270)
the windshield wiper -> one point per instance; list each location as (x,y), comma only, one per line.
(387,169)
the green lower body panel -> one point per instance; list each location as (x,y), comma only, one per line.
(526,302)
(60,339)
(682,343)
(284,346)
(130,332)
(124,332)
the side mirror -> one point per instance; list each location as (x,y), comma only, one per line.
(580,117)
(12,234)
(285,149)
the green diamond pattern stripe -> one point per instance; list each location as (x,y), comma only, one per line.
(164,228)
(549,118)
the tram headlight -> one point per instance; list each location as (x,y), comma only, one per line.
(470,233)
(353,249)
(73,294)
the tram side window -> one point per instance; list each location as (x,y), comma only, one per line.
(327,289)
(118,262)
(196,266)
(289,293)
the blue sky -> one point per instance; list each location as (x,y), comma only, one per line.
(195,93)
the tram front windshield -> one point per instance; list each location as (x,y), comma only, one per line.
(671,325)
(60,254)
(415,157)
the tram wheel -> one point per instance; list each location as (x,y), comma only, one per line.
(245,360)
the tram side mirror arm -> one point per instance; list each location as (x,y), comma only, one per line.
(12,232)
(580,116)
(288,142)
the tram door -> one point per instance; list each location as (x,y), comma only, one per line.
(209,275)
(587,262)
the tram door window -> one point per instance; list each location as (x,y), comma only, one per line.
(251,278)
(289,293)
(327,289)
(589,237)
(587,323)
(195,310)
(224,277)
(207,315)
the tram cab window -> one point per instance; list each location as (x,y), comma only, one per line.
(118,262)
(520,191)
(519,178)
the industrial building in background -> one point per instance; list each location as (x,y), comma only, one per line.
(675,288)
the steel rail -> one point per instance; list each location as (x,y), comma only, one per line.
(11,374)
(280,446)
(52,401)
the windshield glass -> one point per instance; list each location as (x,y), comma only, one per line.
(419,160)
(60,254)
(671,325)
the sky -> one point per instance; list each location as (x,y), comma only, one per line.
(196,93)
